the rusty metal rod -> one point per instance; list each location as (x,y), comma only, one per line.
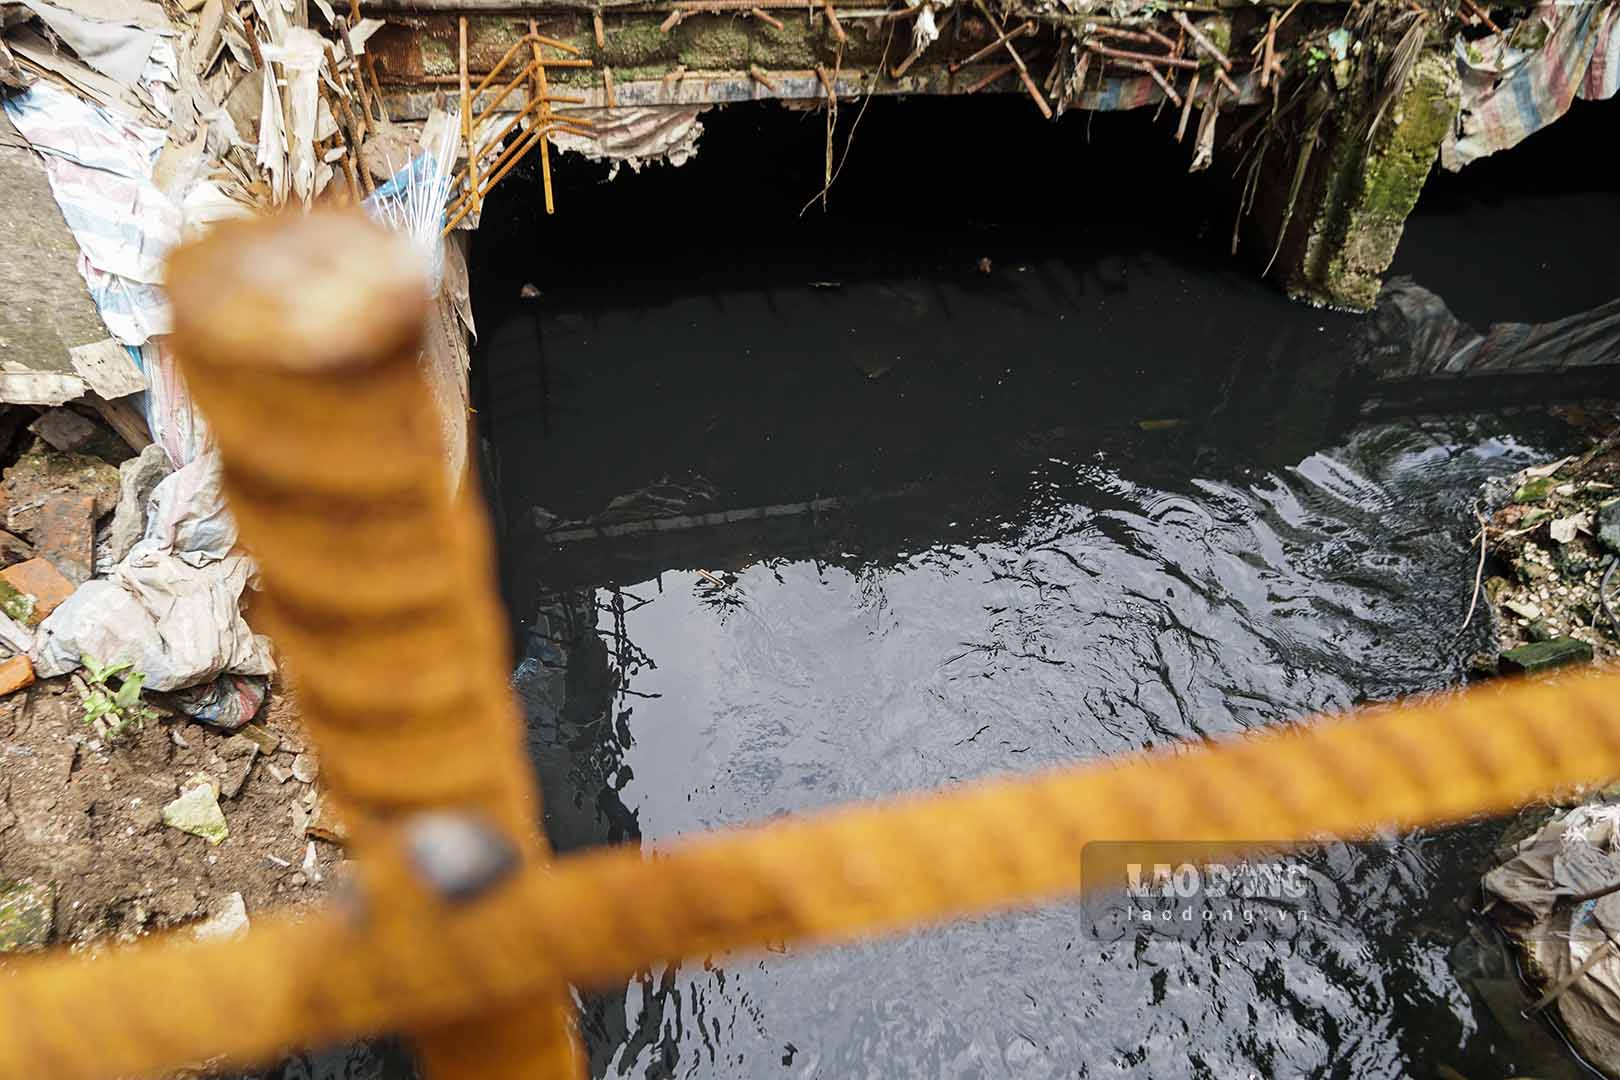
(371,569)
(1020,31)
(1126,54)
(1203,41)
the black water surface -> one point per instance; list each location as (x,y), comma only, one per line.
(1108,492)
(1109,495)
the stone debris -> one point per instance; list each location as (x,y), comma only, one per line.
(15,674)
(137,478)
(227,918)
(266,740)
(31,590)
(306,767)
(1542,655)
(66,535)
(197,810)
(27,913)
(239,755)
(71,433)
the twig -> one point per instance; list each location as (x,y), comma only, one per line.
(711,578)
(1479,575)
(1556,991)
(1270,53)
(1603,592)
(871,88)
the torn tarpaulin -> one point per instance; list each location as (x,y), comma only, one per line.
(100,169)
(1509,92)
(636,136)
(1545,884)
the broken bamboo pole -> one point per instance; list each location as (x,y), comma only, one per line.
(766,17)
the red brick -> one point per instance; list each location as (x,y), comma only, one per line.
(15,674)
(66,535)
(43,582)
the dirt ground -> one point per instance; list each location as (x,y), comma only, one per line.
(85,820)
(1546,561)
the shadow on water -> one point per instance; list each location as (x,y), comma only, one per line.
(802,510)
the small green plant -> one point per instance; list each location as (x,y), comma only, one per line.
(114,711)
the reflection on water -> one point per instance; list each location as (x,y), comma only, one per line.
(1092,616)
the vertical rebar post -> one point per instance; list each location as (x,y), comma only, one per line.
(299,338)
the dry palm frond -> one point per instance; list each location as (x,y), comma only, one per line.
(1401,65)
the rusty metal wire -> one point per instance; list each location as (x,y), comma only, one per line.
(384,609)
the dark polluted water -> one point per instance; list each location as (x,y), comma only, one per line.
(926,520)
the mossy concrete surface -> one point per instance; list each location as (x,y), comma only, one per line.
(1370,187)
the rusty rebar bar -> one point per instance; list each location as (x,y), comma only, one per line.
(377,585)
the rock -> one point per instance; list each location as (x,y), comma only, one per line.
(1540,631)
(1525,609)
(136,479)
(71,433)
(305,767)
(1542,655)
(13,549)
(266,740)
(239,753)
(227,918)
(324,824)
(15,674)
(197,811)
(42,472)
(1608,525)
(27,912)
(32,590)
(66,535)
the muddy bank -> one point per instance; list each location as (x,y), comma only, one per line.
(84,822)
